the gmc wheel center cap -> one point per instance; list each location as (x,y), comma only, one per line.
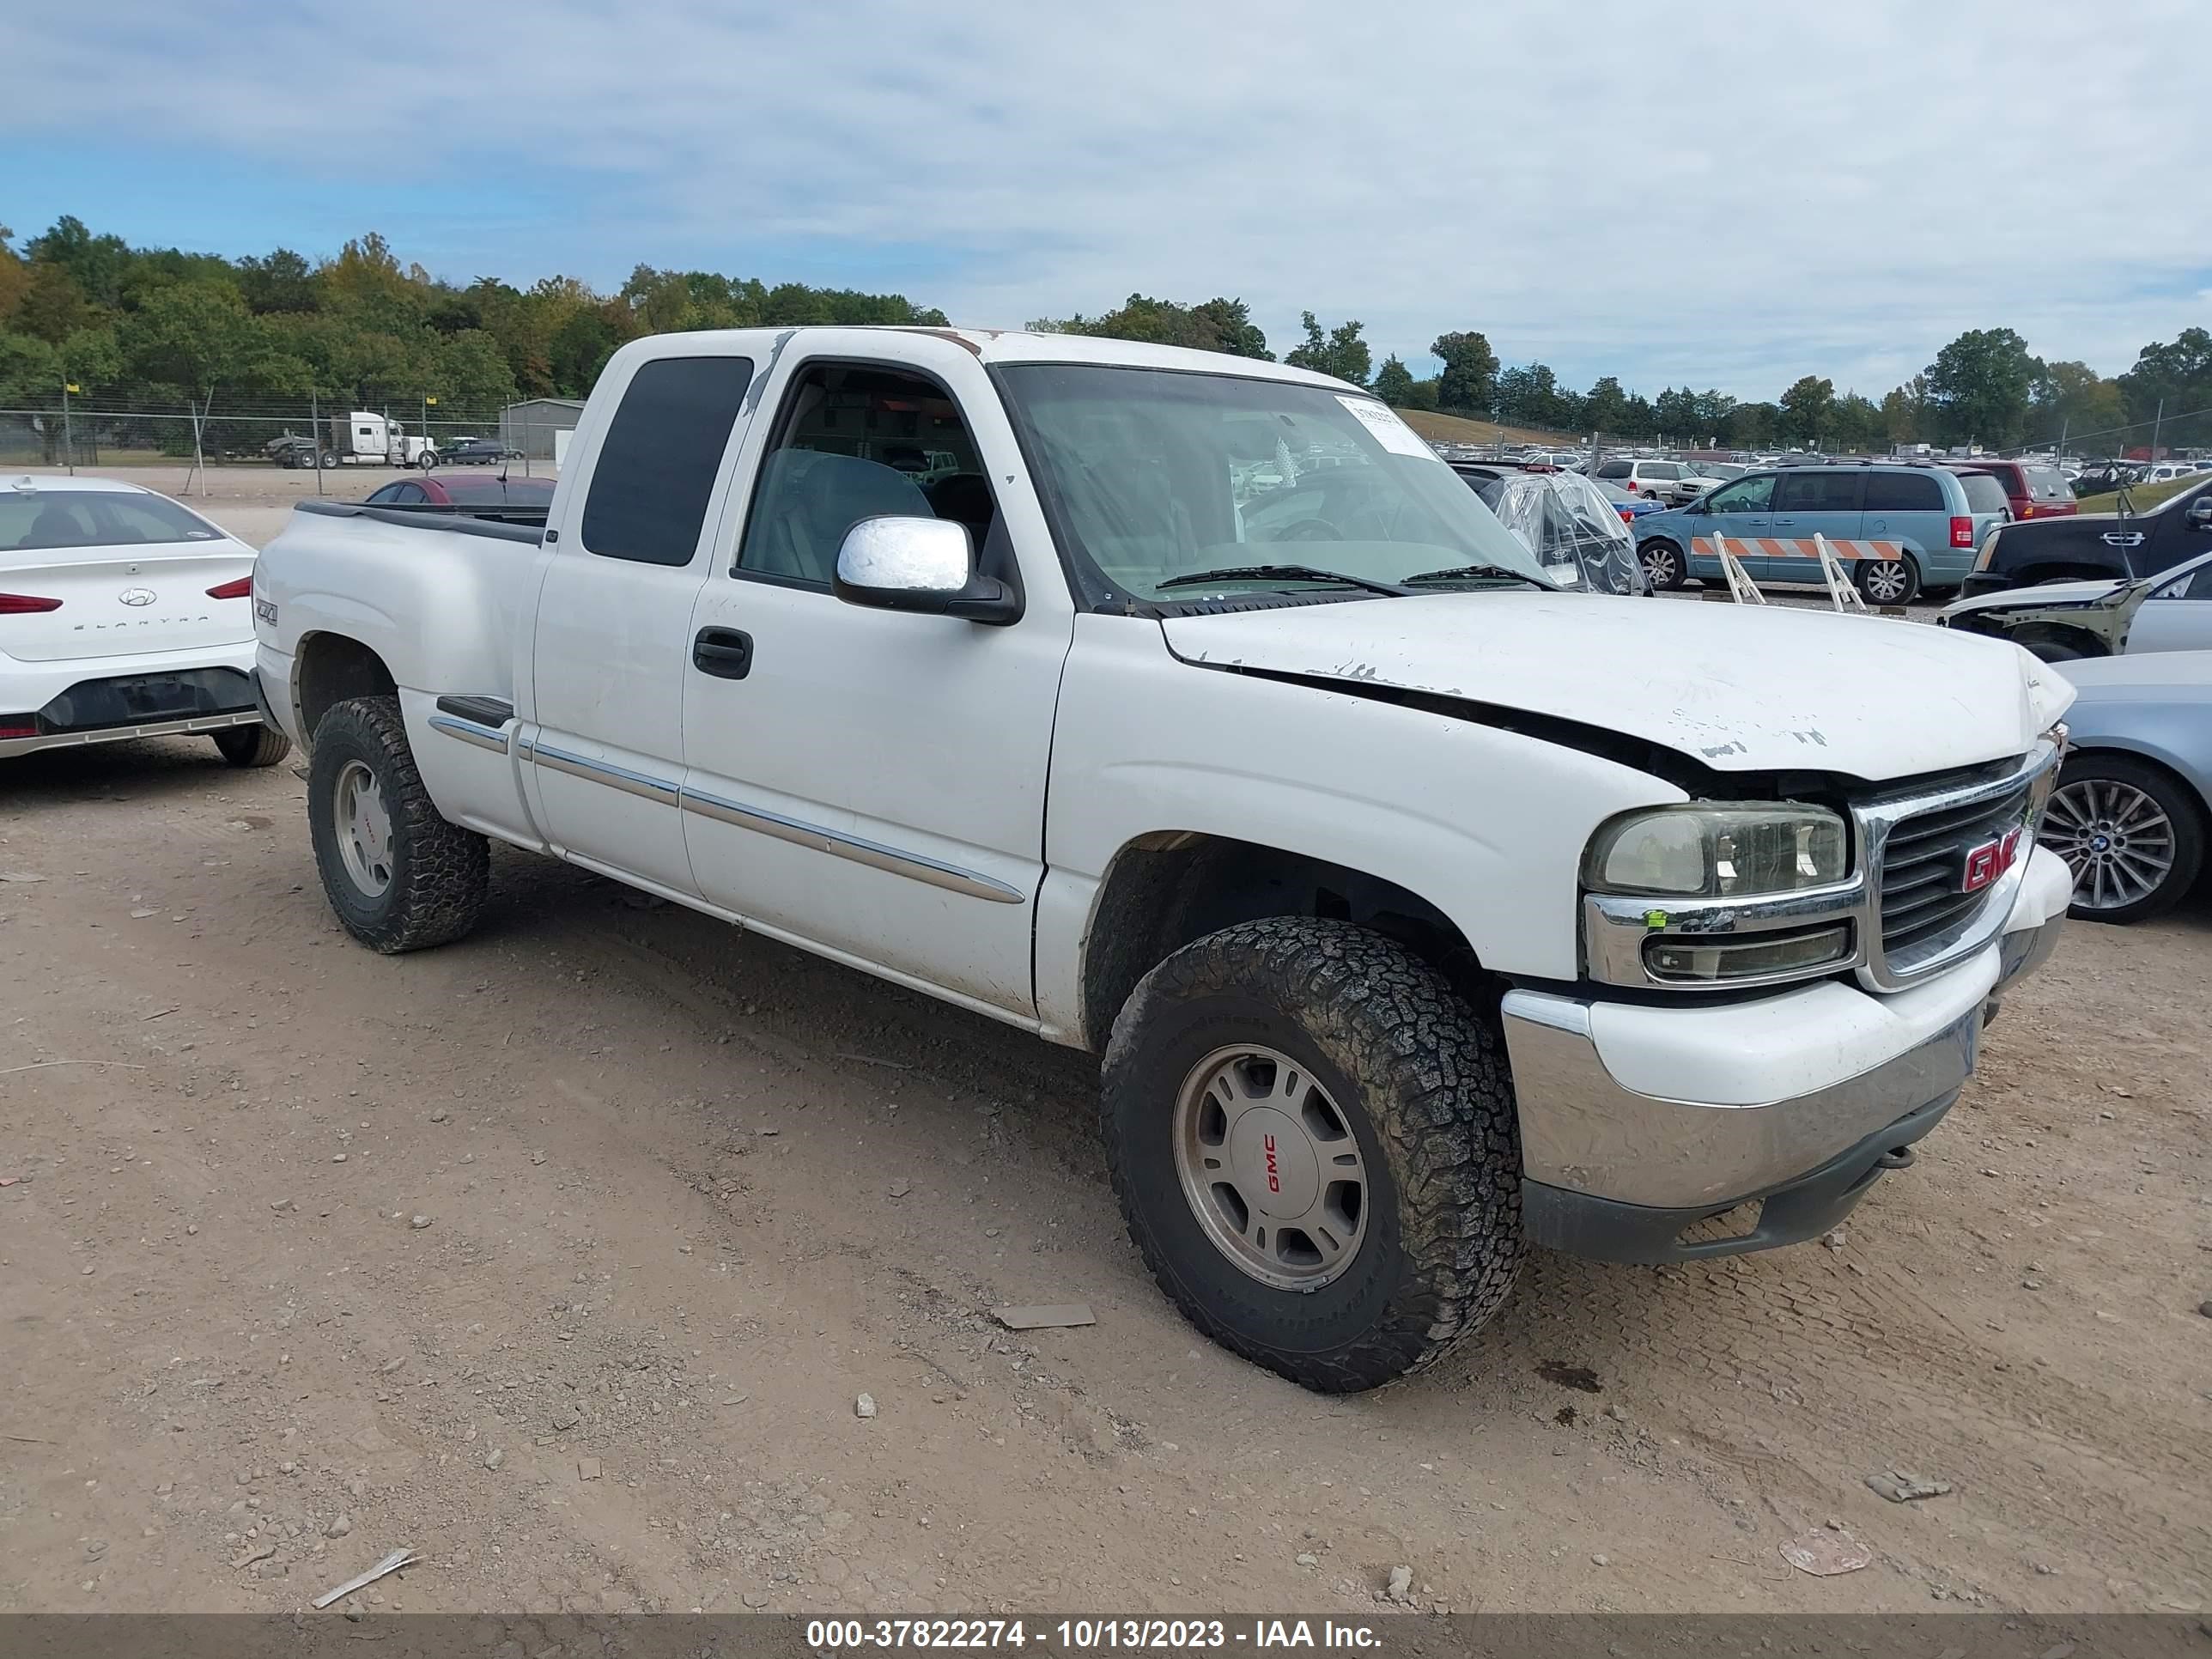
(1276,1169)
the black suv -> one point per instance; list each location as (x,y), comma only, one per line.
(2094,544)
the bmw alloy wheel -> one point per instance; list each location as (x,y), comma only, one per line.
(2118,840)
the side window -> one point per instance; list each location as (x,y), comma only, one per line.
(2196,586)
(1903,492)
(655,474)
(856,441)
(1752,495)
(1808,491)
(1664,472)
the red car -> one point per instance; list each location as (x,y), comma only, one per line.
(478,491)
(2032,489)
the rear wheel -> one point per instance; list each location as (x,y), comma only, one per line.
(1889,581)
(252,745)
(2132,833)
(328,459)
(1662,563)
(398,875)
(1315,1145)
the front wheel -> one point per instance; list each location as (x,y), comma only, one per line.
(251,746)
(1662,563)
(2132,833)
(1887,581)
(1315,1147)
(399,876)
(428,459)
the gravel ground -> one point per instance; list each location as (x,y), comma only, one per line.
(562,1257)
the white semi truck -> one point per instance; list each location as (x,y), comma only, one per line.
(363,439)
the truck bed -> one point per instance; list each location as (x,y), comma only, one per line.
(501,523)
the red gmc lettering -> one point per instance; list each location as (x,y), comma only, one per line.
(1275,1176)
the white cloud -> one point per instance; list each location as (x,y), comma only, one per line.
(1734,198)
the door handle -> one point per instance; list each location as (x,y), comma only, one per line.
(1785,521)
(2118,538)
(725,652)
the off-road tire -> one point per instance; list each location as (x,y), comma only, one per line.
(1424,1084)
(246,746)
(441,872)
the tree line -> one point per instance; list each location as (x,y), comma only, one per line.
(1984,387)
(122,322)
(155,324)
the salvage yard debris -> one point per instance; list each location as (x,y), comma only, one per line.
(1900,1487)
(1824,1552)
(391,1563)
(1053,1316)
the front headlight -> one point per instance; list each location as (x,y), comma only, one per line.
(1748,850)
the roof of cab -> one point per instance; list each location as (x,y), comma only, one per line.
(1001,346)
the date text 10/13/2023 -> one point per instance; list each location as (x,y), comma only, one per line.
(1090,1635)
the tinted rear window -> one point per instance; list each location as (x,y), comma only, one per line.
(1984,494)
(655,473)
(95,517)
(1819,492)
(1615,469)
(2048,483)
(1903,492)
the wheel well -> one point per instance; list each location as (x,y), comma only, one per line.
(2059,634)
(1165,891)
(333,668)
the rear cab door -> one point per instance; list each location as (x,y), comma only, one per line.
(2153,542)
(627,550)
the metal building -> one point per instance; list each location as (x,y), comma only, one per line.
(528,427)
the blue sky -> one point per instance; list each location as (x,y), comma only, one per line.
(1731,198)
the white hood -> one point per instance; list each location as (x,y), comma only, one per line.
(1740,689)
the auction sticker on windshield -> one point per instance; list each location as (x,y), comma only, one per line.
(1392,433)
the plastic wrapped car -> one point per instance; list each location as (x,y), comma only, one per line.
(1568,523)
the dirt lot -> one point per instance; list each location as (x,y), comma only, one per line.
(683,1196)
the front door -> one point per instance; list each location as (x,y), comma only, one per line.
(2178,616)
(871,783)
(1738,511)
(614,619)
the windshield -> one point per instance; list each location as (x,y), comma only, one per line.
(96,518)
(1152,475)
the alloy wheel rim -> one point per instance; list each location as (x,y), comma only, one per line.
(1659,566)
(2116,838)
(1270,1167)
(1885,581)
(363,825)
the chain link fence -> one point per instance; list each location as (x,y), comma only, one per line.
(127,428)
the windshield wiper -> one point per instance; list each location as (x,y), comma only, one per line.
(1466,571)
(1298,572)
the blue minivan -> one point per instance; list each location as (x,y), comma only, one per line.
(1922,508)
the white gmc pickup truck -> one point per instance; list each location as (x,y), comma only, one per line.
(1188,709)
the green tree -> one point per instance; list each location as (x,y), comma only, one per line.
(1394,382)
(1978,387)
(194,335)
(98,267)
(283,281)
(2072,398)
(1340,352)
(1856,426)
(1469,379)
(1806,409)
(1218,325)
(1605,409)
(2179,373)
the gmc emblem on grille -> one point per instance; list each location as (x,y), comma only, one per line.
(1985,863)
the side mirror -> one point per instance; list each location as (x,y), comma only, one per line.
(2200,512)
(923,565)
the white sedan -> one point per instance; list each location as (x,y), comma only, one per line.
(123,615)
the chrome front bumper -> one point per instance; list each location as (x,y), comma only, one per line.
(1637,1120)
